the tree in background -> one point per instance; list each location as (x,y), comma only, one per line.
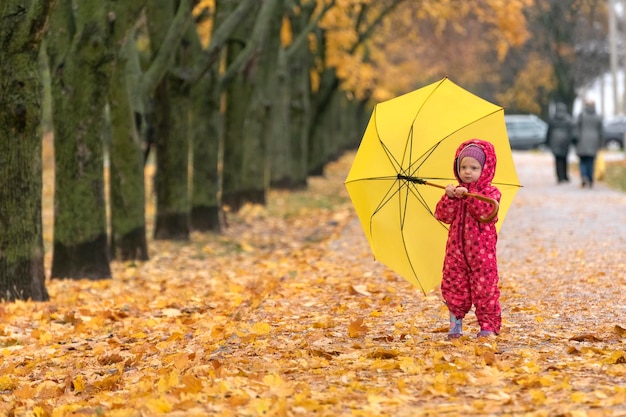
(568,50)
(126,166)
(22,274)
(421,42)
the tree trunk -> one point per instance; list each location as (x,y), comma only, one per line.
(257,135)
(172,159)
(81,62)
(172,103)
(293,111)
(126,170)
(205,122)
(22,274)
(258,79)
(238,94)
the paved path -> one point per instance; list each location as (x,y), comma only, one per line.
(563,218)
(562,256)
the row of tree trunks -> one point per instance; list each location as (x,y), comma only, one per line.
(244,124)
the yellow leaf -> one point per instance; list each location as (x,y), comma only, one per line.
(6,383)
(402,386)
(357,328)
(193,384)
(408,365)
(169,381)
(78,383)
(538,396)
(261,328)
(159,405)
(25,392)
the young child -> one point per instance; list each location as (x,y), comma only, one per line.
(470,269)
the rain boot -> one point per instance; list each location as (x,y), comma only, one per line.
(485,333)
(456,327)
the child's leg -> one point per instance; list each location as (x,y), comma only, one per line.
(486,296)
(455,289)
(456,327)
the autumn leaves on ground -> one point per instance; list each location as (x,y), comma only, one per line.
(286,314)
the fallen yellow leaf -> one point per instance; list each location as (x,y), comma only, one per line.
(357,328)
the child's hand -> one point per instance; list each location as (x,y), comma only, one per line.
(460,191)
(450,191)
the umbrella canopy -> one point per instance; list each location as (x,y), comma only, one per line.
(413,138)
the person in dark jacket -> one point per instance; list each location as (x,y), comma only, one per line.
(559,138)
(589,141)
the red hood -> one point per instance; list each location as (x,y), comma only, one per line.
(489,169)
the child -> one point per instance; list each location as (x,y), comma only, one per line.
(470,269)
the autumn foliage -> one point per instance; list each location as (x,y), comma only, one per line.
(286,314)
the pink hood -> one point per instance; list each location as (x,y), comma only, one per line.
(489,169)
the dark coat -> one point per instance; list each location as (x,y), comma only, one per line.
(560,132)
(589,132)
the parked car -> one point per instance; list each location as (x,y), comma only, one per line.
(526,131)
(613,133)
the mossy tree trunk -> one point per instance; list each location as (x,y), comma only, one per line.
(206,136)
(126,169)
(249,103)
(172,104)
(22,274)
(324,101)
(329,133)
(172,160)
(288,155)
(131,88)
(81,51)
(237,95)
(258,124)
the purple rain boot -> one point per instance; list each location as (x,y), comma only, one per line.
(485,333)
(456,327)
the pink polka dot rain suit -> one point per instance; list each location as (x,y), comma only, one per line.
(470,269)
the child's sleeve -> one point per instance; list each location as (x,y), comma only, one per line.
(446,209)
(478,208)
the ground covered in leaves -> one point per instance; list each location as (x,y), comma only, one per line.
(286,314)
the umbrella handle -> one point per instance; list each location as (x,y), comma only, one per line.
(494,204)
(483,219)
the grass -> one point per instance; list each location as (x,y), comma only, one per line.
(615,175)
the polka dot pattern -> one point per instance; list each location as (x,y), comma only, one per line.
(470,269)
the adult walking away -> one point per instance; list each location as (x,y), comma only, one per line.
(589,141)
(559,137)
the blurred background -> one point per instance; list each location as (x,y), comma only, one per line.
(203,106)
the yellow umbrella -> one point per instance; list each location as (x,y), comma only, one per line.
(410,143)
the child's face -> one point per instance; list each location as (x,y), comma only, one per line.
(469,170)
